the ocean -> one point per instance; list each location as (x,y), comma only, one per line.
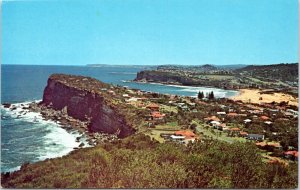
(26,137)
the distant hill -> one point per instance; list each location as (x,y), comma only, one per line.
(231,67)
(282,72)
(201,68)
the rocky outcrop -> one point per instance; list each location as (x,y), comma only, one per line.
(82,98)
(181,78)
(165,77)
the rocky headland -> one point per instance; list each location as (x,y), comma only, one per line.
(85,99)
(282,77)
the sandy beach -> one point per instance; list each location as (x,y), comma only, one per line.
(253,96)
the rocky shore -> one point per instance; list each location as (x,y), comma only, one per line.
(68,123)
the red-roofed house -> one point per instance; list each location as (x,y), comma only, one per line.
(243,134)
(263,117)
(153,107)
(157,115)
(291,154)
(212,118)
(188,135)
(232,114)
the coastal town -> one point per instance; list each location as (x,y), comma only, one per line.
(271,126)
(122,117)
(169,118)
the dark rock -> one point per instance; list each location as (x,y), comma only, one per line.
(6,105)
(81,145)
(81,99)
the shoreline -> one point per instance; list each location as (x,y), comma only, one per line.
(182,86)
(68,123)
(75,128)
(243,94)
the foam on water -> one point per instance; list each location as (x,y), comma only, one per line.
(192,91)
(49,139)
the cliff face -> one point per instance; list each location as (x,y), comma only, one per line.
(83,100)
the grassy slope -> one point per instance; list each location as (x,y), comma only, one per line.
(138,162)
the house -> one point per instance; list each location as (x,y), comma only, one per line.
(192,104)
(187,134)
(243,134)
(177,138)
(139,92)
(221,113)
(273,110)
(257,137)
(153,107)
(269,145)
(247,121)
(234,131)
(140,104)
(232,114)
(215,123)
(288,114)
(151,124)
(183,106)
(291,154)
(165,135)
(255,111)
(189,139)
(295,113)
(275,145)
(157,115)
(221,126)
(126,96)
(291,113)
(263,117)
(268,122)
(212,118)
(132,99)
(111,92)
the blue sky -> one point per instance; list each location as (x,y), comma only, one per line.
(190,32)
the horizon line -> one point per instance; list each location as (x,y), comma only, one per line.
(95,64)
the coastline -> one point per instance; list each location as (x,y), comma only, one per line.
(256,96)
(60,124)
(182,86)
(244,94)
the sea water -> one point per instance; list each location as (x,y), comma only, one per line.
(26,137)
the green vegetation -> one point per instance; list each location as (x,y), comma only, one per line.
(282,76)
(207,131)
(200,95)
(138,162)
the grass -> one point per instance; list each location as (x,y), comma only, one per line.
(215,133)
(169,127)
(166,108)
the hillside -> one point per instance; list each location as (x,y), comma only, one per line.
(279,72)
(279,76)
(138,162)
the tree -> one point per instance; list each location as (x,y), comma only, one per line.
(211,95)
(200,95)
